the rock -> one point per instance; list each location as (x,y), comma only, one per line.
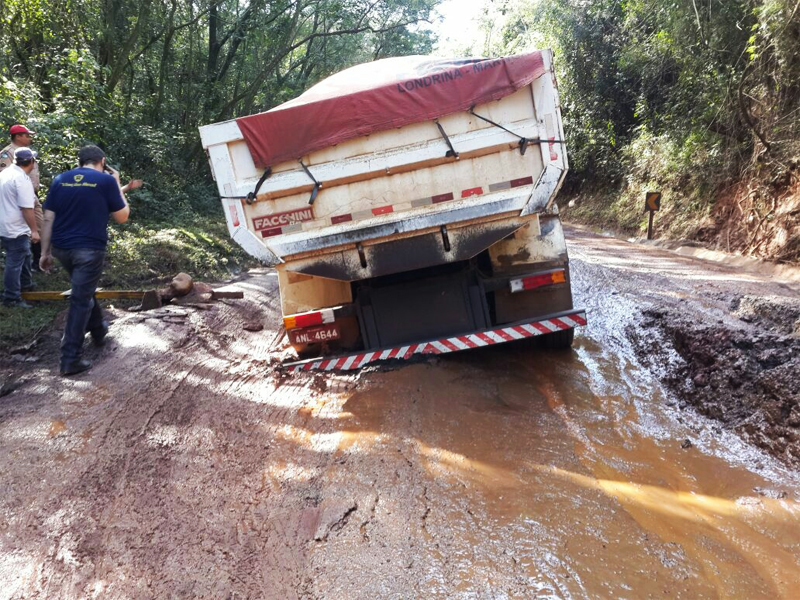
(202,288)
(181,284)
(253,326)
(687,443)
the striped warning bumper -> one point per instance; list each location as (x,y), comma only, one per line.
(499,335)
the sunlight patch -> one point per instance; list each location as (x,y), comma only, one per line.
(141,336)
(163,435)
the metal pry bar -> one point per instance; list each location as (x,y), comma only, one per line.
(523,141)
(317,184)
(251,197)
(452,152)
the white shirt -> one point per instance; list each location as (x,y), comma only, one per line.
(16,193)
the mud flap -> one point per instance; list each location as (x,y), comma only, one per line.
(405,311)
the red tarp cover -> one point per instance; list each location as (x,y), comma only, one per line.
(382,95)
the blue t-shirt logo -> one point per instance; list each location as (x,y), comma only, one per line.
(78,178)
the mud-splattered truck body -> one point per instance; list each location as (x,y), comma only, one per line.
(408,206)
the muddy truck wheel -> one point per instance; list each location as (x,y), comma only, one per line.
(558,340)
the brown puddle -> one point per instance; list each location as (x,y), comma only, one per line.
(590,493)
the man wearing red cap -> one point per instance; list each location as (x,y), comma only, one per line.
(21,137)
(17,226)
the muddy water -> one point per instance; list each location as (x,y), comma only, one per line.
(505,472)
(568,475)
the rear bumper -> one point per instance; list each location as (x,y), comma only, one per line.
(488,337)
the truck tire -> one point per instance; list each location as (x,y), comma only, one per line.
(558,340)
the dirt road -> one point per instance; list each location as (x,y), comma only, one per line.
(184,465)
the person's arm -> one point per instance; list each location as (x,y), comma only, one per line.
(34,175)
(30,219)
(39,214)
(46,261)
(26,201)
(133,184)
(120,216)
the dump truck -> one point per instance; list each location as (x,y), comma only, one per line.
(408,207)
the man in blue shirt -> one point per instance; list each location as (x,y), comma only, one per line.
(75,231)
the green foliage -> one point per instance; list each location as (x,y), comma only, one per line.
(139,256)
(678,96)
(137,77)
(19,326)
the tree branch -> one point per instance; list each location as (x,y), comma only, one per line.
(748,119)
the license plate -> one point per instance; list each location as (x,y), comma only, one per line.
(315,335)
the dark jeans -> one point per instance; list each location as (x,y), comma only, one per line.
(17,273)
(85,266)
(37,254)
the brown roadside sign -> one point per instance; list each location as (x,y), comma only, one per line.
(652,201)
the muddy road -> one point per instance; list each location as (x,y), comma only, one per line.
(185,465)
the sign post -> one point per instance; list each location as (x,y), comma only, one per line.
(652,203)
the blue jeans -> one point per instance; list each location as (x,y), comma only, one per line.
(17,273)
(85,266)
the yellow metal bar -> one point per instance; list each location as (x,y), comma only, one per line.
(103,294)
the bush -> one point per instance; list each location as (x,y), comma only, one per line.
(142,256)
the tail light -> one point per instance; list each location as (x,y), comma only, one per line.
(309,319)
(539,280)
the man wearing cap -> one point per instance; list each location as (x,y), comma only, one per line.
(75,231)
(17,226)
(21,137)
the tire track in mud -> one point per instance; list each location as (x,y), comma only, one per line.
(176,459)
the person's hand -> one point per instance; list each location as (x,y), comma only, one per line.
(114,173)
(46,263)
(35,237)
(133,184)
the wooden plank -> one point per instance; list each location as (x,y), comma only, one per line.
(103,294)
(218,295)
(121,295)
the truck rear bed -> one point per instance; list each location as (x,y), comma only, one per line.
(389,225)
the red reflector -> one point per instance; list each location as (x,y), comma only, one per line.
(442,198)
(536,281)
(520,182)
(272,231)
(528,283)
(471,192)
(308,320)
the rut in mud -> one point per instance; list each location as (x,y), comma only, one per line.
(747,378)
(185,465)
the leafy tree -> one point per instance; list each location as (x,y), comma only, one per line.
(139,76)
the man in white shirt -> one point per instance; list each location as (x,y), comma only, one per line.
(22,137)
(17,226)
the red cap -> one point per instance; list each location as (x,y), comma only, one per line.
(15,129)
